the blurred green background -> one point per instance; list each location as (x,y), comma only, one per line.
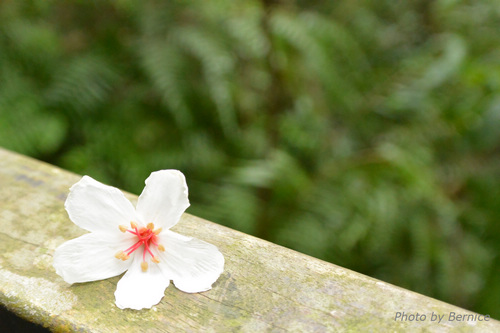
(365,133)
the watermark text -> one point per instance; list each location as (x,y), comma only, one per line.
(438,318)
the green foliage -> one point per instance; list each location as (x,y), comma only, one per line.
(365,133)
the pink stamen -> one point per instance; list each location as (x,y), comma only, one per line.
(133,247)
(145,236)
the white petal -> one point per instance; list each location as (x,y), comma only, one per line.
(192,264)
(164,198)
(91,257)
(137,289)
(97,207)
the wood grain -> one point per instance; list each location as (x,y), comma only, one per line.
(264,288)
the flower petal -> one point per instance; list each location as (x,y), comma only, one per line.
(97,207)
(90,257)
(192,264)
(137,289)
(164,198)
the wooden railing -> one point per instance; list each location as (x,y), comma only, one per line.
(265,287)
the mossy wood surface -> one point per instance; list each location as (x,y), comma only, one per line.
(264,287)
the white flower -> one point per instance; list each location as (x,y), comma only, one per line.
(136,240)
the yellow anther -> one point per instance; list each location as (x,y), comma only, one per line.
(144,266)
(155,260)
(161,248)
(121,255)
(157,231)
(133,224)
(122,228)
(150,226)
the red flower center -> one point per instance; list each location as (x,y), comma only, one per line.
(146,237)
